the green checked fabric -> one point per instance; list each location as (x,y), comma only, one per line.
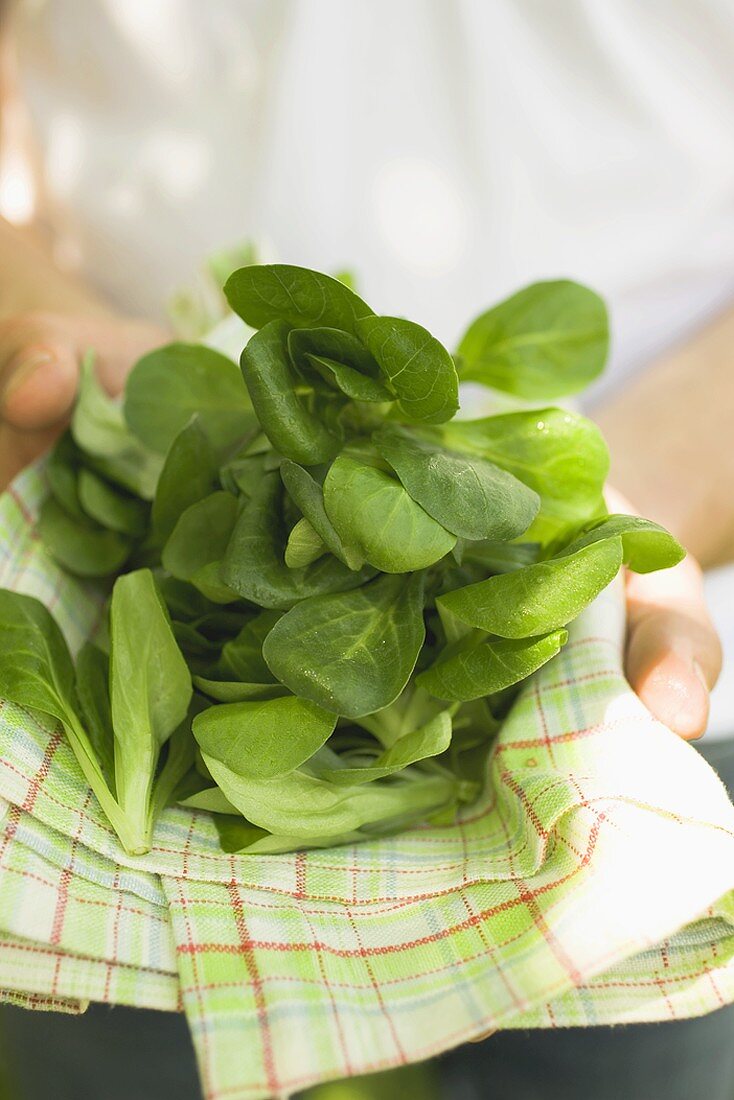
(594,885)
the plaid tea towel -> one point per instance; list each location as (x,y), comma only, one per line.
(595,884)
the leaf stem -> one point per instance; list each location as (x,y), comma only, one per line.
(135,840)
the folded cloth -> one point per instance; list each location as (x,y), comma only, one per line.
(593,884)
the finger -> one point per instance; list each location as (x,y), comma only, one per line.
(41,381)
(673,652)
(39,364)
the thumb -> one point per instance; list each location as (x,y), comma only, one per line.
(39,381)
(673,652)
(39,363)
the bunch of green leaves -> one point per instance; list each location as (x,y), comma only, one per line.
(104,471)
(101,479)
(126,711)
(358,580)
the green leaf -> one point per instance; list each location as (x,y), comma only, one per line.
(429,740)
(221,624)
(454,628)
(470,497)
(474,668)
(347,277)
(237,835)
(179,757)
(92,687)
(304,807)
(208,579)
(62,471)
(559,454)
(308,495)
(539,598)
(295,295)
(150,691)
(353,652)
(237,691)
(223,262)
(358,387)
(240,475)
(548,340)
(418,368)
(134,469)
(254,566)
(111,507)
(150,683)
(470,754)
(98,428)
(171,384)
(82,548)
(97,425)
(372,512)
(645,545)
(304,545)
(292,429)
(181,598)
(412,709)
(189,474)
(264,738)
(333,344)
(502,557)
(199,542)
(201,535)
(200,651)
(242,657)
(211,799)
(36,671)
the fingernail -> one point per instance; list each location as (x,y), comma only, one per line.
(25,369)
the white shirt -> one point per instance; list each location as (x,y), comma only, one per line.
(449,151)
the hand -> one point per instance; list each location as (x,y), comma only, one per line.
(40,353)
(673,656)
